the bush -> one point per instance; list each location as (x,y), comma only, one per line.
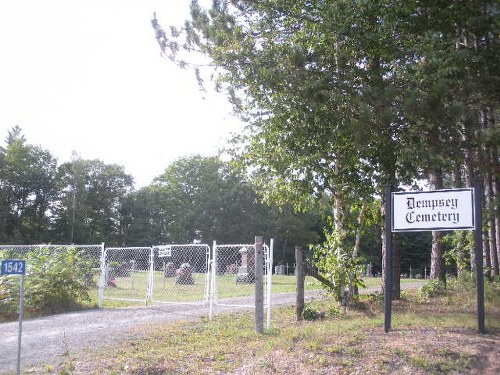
(492,291)
(465,281)
(338,265)
(433,288)
(55,281)
(310,313)
(335,312)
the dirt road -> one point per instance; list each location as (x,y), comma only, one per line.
(46,340)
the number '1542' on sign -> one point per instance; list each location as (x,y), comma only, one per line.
(13,267)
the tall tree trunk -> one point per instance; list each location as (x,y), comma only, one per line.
(490,215)
(338,219)
(357,242)
(339,223)
(437,261)
(489,167)
(469,175)
(384,229)
(484,159)
(486,252)
(396,280)
(460,247)
(384,246)
(496,197)
(396,266)
(361,223)
(384,239)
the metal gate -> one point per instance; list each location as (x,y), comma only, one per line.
(126,274)
(180,274)
(233,276)
(185,274)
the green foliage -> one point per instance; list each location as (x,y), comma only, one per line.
(89,208)
(87,201)
(335,312)
(465,281)
(492,291)
(206,199)
(459,245)
(321,309)
(336,262)
(310,312)
(27,190)
(433,289)
(40,202)
(345,96)
(415,251)
(55,281)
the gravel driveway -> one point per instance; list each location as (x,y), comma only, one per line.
(46,340)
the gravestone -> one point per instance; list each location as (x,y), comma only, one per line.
(246,272)
(279,270)
(184,274)
(232,269)
(169,269)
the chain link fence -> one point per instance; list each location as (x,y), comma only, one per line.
(91,253)
(180,274)
(57,275)
(126,274)
(233,275)
(175,274)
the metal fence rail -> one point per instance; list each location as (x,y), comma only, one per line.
(233,274)
(92,253)
(126,274)
(173,274)
(180,274)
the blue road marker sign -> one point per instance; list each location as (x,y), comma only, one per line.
(13,267)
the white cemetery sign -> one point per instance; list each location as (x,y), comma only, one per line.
(447,209)
(433,210)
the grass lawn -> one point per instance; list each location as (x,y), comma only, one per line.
(134,287)
(435,335)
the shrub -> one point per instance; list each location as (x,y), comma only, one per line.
(335,312)
(310,312)
(338,265)
(56,281)
(433,288)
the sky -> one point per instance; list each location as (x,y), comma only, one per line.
(87,76)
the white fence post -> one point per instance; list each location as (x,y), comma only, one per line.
(128,274)
(102,277)
(208,274)
(151,275)
(213,271)
(269,282)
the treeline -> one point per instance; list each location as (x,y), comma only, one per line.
(344,97)
(87,202)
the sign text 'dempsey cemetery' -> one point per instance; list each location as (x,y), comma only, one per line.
(433,210)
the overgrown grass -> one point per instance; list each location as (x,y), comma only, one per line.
(430,335)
